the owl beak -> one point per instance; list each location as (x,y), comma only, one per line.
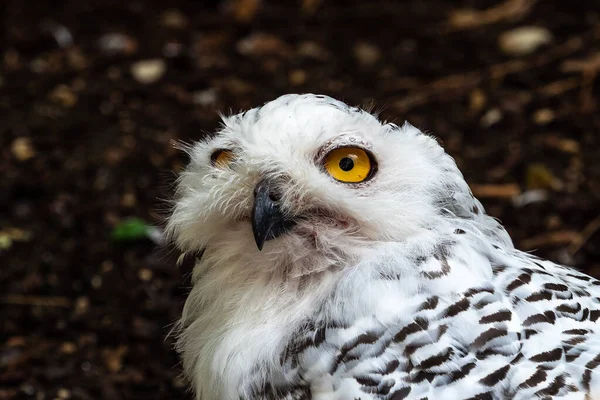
(268,221)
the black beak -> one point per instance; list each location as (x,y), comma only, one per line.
(268,221)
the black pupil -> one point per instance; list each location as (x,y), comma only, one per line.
(346,164)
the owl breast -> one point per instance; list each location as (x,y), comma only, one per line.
(517,328)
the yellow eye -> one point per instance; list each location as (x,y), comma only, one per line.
(221,158)
(349,164)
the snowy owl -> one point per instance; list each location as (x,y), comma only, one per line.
(341,257)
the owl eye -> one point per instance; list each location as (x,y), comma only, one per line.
(349,164)
(221,158)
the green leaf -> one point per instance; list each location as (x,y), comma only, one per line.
(130,229)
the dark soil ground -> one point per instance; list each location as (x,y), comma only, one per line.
(85,143)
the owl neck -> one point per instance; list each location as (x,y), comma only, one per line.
(236,319)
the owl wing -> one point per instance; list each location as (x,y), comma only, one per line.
(530,332)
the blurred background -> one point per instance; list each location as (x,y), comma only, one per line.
(92,92)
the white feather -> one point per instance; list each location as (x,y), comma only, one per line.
(246,307)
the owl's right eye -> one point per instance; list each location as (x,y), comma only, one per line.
(221,158)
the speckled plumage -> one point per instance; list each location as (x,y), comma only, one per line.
(398,288)
(529,332)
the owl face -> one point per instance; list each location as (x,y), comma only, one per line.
(306,176)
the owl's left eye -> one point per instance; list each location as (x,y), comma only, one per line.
(349,164)
(222,158)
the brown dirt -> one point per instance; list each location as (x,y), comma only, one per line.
(84,145)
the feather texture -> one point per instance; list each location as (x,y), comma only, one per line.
(400,287)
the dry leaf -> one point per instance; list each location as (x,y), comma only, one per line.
(538,176)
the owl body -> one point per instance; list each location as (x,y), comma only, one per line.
(387,283)
(524,328)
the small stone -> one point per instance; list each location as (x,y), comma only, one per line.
(78,84)
(23,209)
(62,34)
(77,59)
(463,18)
(113,156)
(173,19)
(310,7)
(245,10)
(145,274)
(68,348)
(143,328)
(86,366)
(28,389)
(477,100)
(553,222)
(313,50)
(63,95)
(96,281)
(524,40)
(173,49)
(407,46)
(117,43)
(148,71)
(63,393)
(238,87)
(491,117)
(262,44)
(9,357)
(22,149)
(15,341)
(107,266)
(204,97)
(38,65)
(366,53)
(128,200)
(543,116)
(12,59)
(53,280)
(129,142)
(113,358)
(297,77)
(113,73)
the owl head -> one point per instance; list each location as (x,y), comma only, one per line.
(306,182)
